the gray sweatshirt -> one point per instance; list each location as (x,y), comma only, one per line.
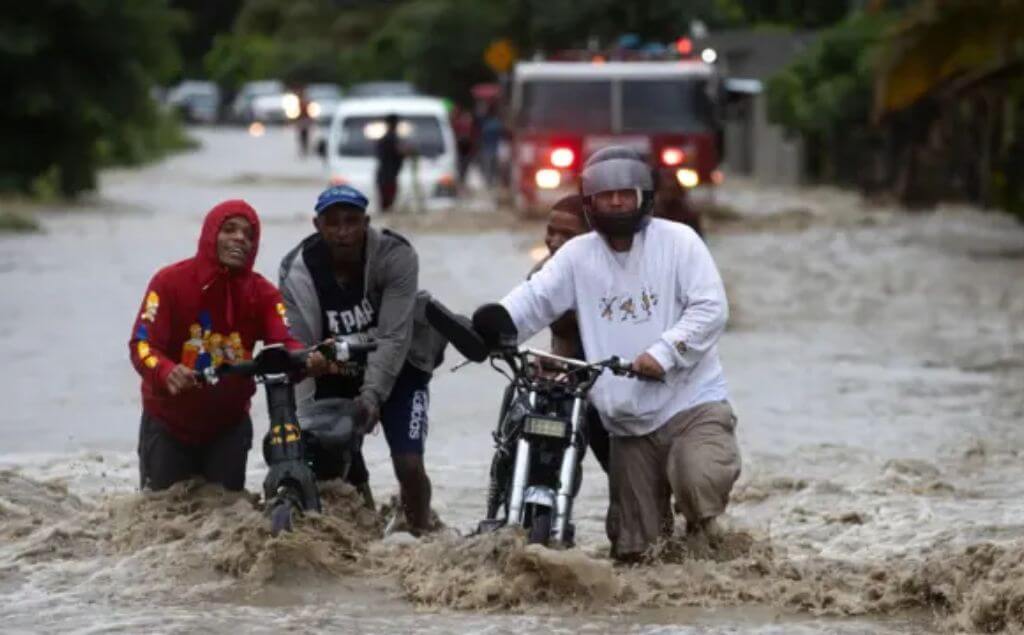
(391,286)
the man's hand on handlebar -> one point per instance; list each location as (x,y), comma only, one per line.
(317,365)
(646,366)
(180,379)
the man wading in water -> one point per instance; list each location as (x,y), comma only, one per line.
(349,279)
(202,312)
(565,222)
(648,290)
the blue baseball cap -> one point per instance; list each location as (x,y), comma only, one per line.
(341,195)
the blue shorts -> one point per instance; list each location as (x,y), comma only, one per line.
(404,415)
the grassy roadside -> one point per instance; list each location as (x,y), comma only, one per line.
(17,217)
(133,147)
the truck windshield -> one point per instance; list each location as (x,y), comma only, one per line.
(359,135)
(665,105)
(568,106)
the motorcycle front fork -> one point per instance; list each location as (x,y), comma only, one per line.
(567,476)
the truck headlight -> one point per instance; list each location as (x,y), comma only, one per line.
(547,179)
(687,177)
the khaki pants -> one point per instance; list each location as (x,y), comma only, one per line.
(692,459)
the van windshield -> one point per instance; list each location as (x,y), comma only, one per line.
(359,135)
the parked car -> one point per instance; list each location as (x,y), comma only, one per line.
(321,100)
(427,179)
(277,107)
(197,101)
(243,107)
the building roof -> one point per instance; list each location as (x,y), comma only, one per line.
(591,70)
(756,54)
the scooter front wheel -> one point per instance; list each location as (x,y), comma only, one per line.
(281,516)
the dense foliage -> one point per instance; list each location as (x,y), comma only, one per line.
(77,77)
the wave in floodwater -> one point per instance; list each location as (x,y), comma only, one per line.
(198,541)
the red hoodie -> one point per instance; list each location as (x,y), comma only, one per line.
(197,312)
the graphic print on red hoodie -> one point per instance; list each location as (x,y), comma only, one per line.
(199,313)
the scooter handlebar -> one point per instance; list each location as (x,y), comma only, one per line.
(281,362)
(341,350)
(346,350)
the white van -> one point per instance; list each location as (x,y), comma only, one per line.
(427,180)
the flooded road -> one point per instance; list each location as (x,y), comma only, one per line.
(875,361)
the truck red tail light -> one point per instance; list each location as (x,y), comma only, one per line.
(562,157)
(672,156)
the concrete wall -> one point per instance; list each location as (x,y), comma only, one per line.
(754,147)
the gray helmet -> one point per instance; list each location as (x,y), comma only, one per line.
(617,168)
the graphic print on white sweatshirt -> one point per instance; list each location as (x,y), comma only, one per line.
(636,308)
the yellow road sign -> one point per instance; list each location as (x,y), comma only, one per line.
(500,55)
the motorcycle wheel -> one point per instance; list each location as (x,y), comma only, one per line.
(540,528)
(280,517)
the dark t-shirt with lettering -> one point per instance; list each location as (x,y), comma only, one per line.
(345,310)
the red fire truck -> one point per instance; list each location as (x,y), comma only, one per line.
(560,112)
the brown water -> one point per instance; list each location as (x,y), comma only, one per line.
(874,358)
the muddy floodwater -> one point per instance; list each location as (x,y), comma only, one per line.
(875,359)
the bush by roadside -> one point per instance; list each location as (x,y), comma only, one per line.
(16,221)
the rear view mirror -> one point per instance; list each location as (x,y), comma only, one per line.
(494,324)
(458,330)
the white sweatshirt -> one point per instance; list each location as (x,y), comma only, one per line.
(664,296)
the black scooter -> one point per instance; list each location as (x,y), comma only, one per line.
(296,458)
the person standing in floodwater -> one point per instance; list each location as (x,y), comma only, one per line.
(648,290)
(565,222)
(491,131)
(201,312)
(672,201)
(389,163)
(349,279)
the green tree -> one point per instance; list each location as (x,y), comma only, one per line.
(296,41)
(436,44)
(963,59)
(921,99)
(78,75)
(204,20)
(825,97)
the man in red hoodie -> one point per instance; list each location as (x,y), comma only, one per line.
(200,312)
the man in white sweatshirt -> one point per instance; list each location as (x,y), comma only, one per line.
(648,290)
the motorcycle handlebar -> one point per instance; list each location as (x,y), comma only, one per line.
(619,366)
(340,350)
(615,364)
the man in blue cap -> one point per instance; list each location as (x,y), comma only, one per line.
(347,279)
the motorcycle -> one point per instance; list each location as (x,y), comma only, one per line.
(541,433)
(297,458)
